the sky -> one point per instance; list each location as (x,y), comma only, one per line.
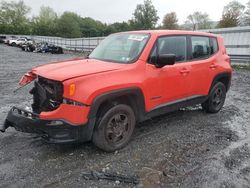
(110,11)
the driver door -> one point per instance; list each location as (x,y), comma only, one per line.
(172,82)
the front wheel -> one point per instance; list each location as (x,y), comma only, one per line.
(216,98)
(114,129)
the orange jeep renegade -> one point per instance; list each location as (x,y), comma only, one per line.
(128,78)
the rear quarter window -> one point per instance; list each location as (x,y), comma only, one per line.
(214,45)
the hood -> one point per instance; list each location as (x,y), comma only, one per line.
(74,68)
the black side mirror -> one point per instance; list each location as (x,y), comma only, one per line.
(165,59)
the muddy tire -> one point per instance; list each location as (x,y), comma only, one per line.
(216,98)
(114,129)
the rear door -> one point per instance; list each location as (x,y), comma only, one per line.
(203,61)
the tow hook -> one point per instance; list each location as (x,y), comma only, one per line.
(3,127)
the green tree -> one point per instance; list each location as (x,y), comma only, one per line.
(117,27)
(92,28)
(145,16)
(68,25)
(198,20)
(45,23)
(232,14)
(13,18)
(170,21)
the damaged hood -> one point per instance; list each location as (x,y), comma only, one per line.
(75,68)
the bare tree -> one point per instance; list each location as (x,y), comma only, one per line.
(198,20)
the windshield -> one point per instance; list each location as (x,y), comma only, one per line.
(120,48)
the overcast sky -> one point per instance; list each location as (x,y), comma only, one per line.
(110,11)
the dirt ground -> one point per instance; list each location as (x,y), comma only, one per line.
(187,148)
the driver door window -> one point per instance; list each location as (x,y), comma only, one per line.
(173,45)
(176,45)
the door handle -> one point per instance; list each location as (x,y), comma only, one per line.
(184,71)
(213,66)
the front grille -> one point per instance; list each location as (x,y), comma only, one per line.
(47,95)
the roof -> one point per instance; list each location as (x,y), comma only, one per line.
(172,32)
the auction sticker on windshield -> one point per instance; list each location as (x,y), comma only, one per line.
(137,37)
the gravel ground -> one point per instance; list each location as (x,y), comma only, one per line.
(187,148)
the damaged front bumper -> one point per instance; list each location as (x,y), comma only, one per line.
(52,131)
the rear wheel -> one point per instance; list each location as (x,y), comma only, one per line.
(216,98)
(114,129)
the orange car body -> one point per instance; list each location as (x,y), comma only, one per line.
(85,80)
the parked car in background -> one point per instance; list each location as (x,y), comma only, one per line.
(17,42)
(56,49)
(8,38)
(44,47)
(2,39)
(28,46)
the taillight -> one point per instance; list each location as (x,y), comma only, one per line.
(27,78)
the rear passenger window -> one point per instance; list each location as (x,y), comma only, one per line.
(173,45)
(200,47)
(214,46)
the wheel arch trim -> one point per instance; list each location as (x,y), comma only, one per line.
(219,76)
(133,91)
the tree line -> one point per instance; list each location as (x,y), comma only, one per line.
(14,20)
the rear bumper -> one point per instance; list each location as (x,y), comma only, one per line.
(52,131)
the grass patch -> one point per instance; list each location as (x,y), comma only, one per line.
(241,67)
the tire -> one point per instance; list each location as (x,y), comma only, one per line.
(216,98)
(115,128)
(13,44)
